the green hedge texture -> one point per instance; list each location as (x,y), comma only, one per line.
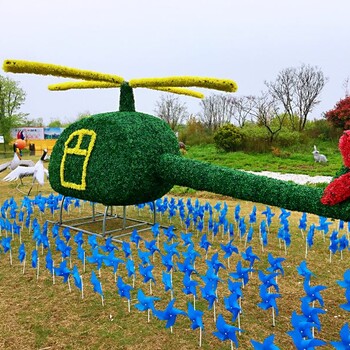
(122,168)
(241,185)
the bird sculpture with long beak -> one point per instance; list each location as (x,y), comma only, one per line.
(16,161)
(37,171)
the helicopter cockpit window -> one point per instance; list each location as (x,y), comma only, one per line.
(75,158)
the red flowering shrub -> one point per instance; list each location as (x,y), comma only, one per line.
(339,116)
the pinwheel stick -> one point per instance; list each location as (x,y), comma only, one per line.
(10,257)
(24,265)
(82,287)
(53,272)
(37,268)
(69,287)
(273,317)
(200,337)
(148,315)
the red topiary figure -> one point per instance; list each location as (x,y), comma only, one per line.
(339,189)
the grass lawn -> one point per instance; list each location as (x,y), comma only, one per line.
(41,313)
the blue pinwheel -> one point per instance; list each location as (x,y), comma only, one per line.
(145,303)
(275,264)
(215,263)
(81,253)
(323,225)
(311,313)
(211,277)
(250,234)
(268,299)
(92,240)
(186,267)
(235,288)
(343,243)
(167,261)
(302,325)
(303,222)
(195,316)
(267,344)
(155,230)
(96,258)
(269,280)
(66,234)
(310,236)
(78,238)
(152,246)
(169,233)
(232,305)
(229,249)
(252,216)
(34,258)
(344,342)
(304,271)
(208,293)
(78,282)
(126,249)
(6,243)
(313,293)
(144,257)
(130,267)
(171,249)
(186,238)
(21,252)
(248,255)
(304,344)
(124,289)
(55,230)
(263,233)
(242,227)
(49,262)
(108,246)
(135,238)
(167,281)
(269,215)
(112,260)
(237,212)
(241,273)
(225,331)
(189,286)
(63,271)
(191,254)
(169,314)
(346,282)
(96,284)
(146,273)
(333,242)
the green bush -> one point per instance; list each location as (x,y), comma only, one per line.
(228,138)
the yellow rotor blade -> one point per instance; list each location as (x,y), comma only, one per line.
(82,85)
(20,66)
(180,91)
(186,81)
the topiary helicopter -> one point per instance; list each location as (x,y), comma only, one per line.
(128,157)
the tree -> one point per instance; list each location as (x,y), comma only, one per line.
(171,110)
(266,113)
(216,111)
(339,116)
(241,108)
(11,99)
(55,123)
(298,89)
(228,137)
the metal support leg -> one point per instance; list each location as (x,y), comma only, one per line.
(61,210)
(124,217)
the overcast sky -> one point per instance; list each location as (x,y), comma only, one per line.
(248,41)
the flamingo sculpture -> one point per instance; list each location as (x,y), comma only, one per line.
(37,171)
(16,161)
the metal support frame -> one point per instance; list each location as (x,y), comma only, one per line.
(76,223)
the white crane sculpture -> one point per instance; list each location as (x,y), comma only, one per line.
(16,161)
(38,172)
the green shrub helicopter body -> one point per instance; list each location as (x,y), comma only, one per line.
(127,157)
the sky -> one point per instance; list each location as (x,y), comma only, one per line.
(248,41)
